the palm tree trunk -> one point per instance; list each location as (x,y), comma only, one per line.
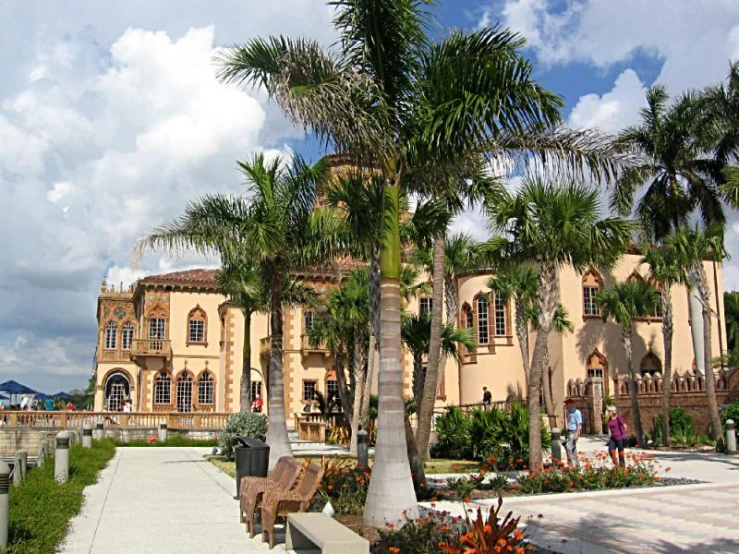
(277,431)
(390,497)
(522,334)
(373,367)
(343,389)
(431,382)
(546,384)
(417,377)
(245,385)
(626,334)
(451,298)
(358,372)
(367,391)
(418,471)
(667,330)
(705,296)
(548,297)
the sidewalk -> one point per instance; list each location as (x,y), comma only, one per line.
(161,501)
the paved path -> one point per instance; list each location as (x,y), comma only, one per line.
(161,501)
(671,520)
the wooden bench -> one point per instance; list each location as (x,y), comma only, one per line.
(306,531)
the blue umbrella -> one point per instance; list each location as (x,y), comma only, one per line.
(14,387)
(63,395)
(3,397)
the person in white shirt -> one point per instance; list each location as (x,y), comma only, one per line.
(24,402)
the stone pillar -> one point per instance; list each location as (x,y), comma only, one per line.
(61,458)
(21,467)
(362,450)
(730,436)
(556,445)
(4,503)
(87,436)
(41,455)
(596,400)
(696,324)
(99,431)
(162,433)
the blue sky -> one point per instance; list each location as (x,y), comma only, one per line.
(111,121)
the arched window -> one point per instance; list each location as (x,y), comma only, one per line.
(162,389)
(500,316)
(205,389)
(597,366)
(111,336)
(308,317)
(592,283)
(127,336)
(425,305)
(467,320)
(197,326)
(483,327)
(650,364)
(184,392)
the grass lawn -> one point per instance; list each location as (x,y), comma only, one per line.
(432,466)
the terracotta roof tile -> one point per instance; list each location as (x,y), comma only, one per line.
(190,276)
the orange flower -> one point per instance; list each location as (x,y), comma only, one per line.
(520,550)
(394,549)
(445,527)
(466,499)
(518,534)
(668,469)
(390,526)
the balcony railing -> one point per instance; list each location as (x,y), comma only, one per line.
(151,347)
(307,348)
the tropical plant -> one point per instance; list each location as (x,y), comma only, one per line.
(692,247)
(490,535)
(396,102)
(550,226)
(247,424)
(666,272)
(453,435)
(674,164)
(731,317)
(623,303)
(279,227)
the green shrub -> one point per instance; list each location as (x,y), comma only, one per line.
(249,424)
(730,412)
(682,430)
(172,440)
(424,535)
(41,509)
(463,486)
(343,486)
(452,430)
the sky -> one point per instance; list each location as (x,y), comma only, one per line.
(111,120)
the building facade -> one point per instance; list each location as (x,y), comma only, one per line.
(172,343)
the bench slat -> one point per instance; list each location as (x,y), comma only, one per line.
(305,531)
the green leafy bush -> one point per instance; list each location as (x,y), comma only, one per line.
(343,486)
(730,411)
(249,424)
(424,535)
(41,509)
(487,434)
(682,430)
(463,486)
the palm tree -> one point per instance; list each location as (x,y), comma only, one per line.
(416,332)
(249,292)
(624,302)
(520,283)
(666,272)
(549,226)
(731,314)
(398,103)
(675,166)
(692,247)
(279,228)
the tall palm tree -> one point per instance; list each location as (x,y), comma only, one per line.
(675,170)
(279,227)
(624,302)
(666,272)
(400,104)
(519,283)
(731,314)
(550,226)
(692,247)
(249,292)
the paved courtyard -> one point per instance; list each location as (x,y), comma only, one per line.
(171,500)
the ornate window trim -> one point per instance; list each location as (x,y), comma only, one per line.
(466,321)
(206,389)
(197,327)
(110,336)
(656,362)
(590,369)
(127,333)
(304,390)
(425,305)
(184,385)
(162,389)
(591,283)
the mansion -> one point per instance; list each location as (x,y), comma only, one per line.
(173,343)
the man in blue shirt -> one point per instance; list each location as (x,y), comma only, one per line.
(574,427)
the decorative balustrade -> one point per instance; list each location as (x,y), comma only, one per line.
(151,347)
(306,347)
(690,381)
(124,420)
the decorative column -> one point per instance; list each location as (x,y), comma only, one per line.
(596,401)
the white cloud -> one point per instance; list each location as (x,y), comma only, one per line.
(613,110)
(59,191)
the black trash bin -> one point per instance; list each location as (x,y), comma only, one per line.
(252,459)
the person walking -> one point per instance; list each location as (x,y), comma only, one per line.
(487,398)
(617,433)
(574,427)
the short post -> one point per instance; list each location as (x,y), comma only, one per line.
(4,503)
(162,432)
(41,456)
(21,467)
(362,450)
(730,436)
(87,435)
(556,445)
(61,458)
(99,431)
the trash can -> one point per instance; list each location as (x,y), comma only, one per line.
(252,459)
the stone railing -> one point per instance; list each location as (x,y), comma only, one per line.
(151,347)
(123,420)
(306,347)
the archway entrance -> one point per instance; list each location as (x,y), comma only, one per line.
(117,391)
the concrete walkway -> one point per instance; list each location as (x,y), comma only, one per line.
(161,501)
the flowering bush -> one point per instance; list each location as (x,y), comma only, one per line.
(463,486)
(344,487)
(489,536)
(598,474)
(424,535)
